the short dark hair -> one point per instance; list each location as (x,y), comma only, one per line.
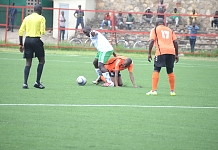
(37,8)
(79,5)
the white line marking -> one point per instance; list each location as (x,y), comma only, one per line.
(130,106)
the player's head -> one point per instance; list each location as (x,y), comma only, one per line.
(38,9)
(130,14)
(120,13)
(193,11)
(175,10)
(159,21)
(13,4)
(79,6)
(127,62)
(161,1)
(87,30)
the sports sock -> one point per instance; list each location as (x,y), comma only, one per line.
(155,78)
(103,79)
(98,72)
(39,72)
(107,76)
(171,79)
(26,73)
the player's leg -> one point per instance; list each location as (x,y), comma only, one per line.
(28,55)
(103,58)
(40,54)
(112,75)
(159,61)
(170,59)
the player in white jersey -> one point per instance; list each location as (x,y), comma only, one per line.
(105,50)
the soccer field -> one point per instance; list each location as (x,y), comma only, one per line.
(67,116)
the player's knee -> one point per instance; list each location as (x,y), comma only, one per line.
(157,69)
(169,70)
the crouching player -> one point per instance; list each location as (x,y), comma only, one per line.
(117,64)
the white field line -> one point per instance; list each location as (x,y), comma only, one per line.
(130,106)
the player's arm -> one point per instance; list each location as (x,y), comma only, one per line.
(21,32)
(114,54)
(176,47)
(176,50)
(116,78)
(132,79)
(151,44)
(43,26)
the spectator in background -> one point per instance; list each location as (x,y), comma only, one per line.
(148,16)
(11,17)
(120,20)
(62,25)
(192,18)
(173,18)
(129,21)
(161,9)
(79,16)
(193,30)
(215,20)
(107,21)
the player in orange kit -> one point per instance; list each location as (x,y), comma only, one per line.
(117,64)
(165,56)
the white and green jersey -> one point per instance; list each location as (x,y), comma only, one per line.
(100,42)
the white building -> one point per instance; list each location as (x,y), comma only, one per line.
(69,7)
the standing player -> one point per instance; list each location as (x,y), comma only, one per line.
(79,16)
(117,64)
(165,56)
(105,50)
(34,25)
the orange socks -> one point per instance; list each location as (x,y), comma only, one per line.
(171,79)
(155,78)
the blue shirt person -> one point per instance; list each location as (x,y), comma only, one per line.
(79,17)
(11,17)
(193,30)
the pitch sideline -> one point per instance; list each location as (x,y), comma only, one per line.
(130,106)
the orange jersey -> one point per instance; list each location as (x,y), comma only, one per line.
(164,38)
(115,64)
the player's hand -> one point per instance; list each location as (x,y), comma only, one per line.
(176,59)
(21,48)
(149,57)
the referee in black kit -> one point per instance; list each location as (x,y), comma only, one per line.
(34,25)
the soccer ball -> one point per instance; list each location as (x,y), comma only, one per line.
(81,80)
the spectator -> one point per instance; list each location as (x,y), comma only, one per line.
(11,17)
(79,16)
(62,25)
(129,21)
(193,30)
(120,20)
(107,21)
(215,20)
(148,16)
(161,9)
(192,18)
(174,18)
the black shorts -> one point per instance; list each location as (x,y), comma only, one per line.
(165,60)
(112,74)
(33,45)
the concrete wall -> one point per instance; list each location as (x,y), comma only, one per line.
(73,4)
